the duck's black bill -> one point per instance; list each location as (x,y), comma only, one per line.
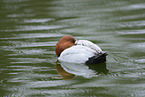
(99,58)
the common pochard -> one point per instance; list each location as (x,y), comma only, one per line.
(68,49)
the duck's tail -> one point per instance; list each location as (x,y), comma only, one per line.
(98,58)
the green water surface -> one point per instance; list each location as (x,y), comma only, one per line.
(30,29)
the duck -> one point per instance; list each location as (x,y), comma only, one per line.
(69,49)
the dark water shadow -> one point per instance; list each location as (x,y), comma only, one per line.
(99,68)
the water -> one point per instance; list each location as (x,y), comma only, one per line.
(29,31)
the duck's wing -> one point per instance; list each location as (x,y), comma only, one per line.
(89,44)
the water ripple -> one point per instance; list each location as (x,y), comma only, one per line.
(35,35)
(37,20)
(28,60)
(32,28)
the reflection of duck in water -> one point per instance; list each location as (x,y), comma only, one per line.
(65,75)
(69,70)
(81,51)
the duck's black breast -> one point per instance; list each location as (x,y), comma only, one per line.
(98,58)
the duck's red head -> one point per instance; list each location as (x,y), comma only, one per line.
(65,42)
